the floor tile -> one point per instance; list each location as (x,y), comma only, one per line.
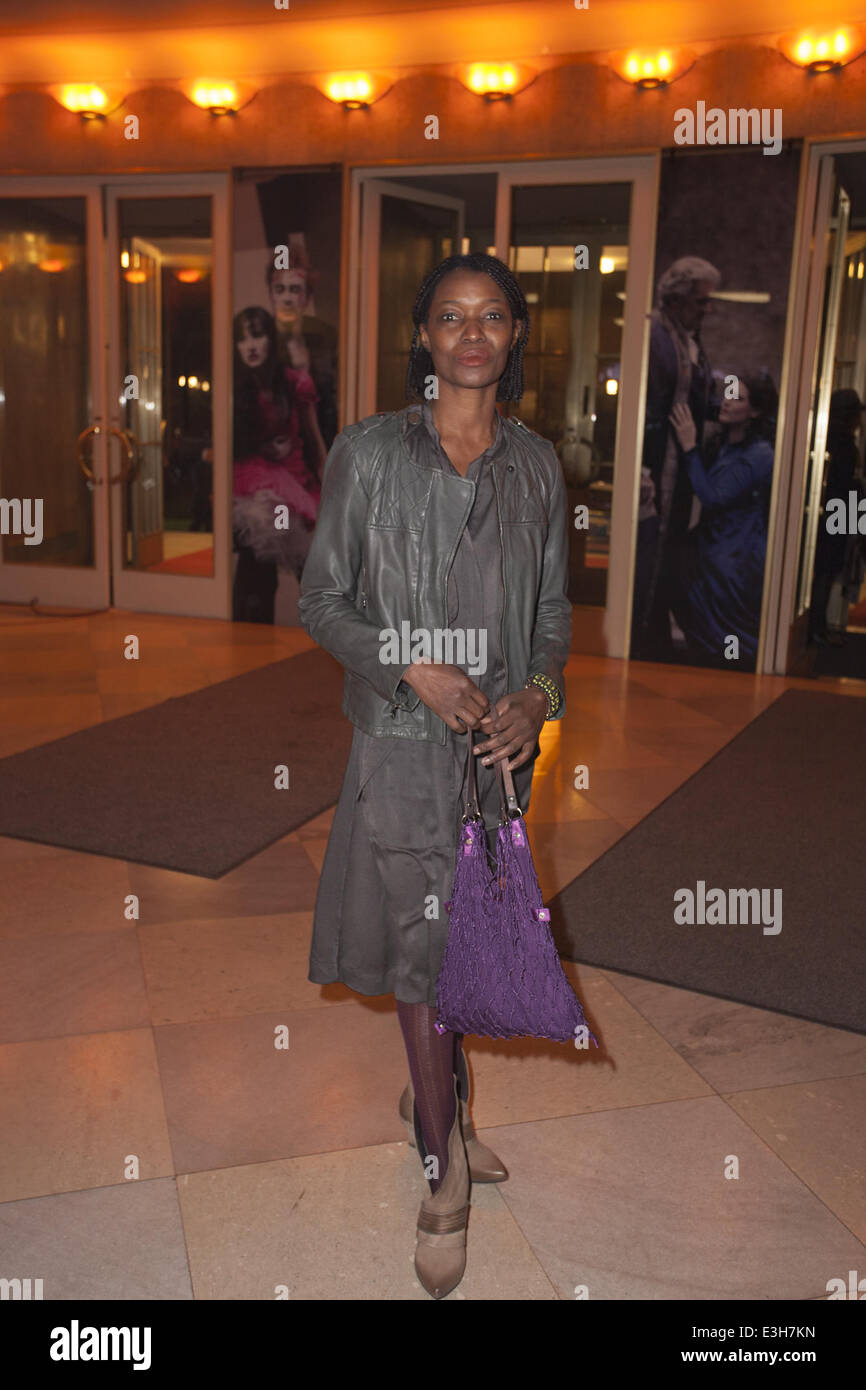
(634,1204)
(112,1243)
(74,1113)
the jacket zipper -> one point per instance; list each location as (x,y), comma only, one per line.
(502,572)
(364,586)
(445,591)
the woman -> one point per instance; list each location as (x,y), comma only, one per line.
(274,416)
(442,515)
(724,598)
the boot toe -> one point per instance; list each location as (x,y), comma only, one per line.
(484,1164)
(440,1269)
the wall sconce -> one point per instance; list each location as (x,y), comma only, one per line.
(496,81)
(650,69)
(823,52)
(219,98)
(611,386)
(190,275)
(86,100)
(354,91)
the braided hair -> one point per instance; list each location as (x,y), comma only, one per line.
(510,386)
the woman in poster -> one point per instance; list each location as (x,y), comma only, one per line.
(732,480)
(275,417)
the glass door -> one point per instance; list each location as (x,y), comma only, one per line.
(168,371)
(828,347)
(574,235)
(53,513)
(834,270)
(115,353)
(580,236)
(406,231)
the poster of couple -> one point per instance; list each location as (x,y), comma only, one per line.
(725,235)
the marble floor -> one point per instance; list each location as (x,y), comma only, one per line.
(159,1144)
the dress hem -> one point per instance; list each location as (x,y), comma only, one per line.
(332,977)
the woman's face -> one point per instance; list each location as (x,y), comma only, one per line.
(252,348)
(288,292)
(739,411)
(469,332)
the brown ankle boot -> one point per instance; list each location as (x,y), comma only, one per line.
(440,1254)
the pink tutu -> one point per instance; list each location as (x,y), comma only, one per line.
(253,525)
(258,475)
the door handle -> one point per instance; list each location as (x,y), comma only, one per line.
(129,468)
(79,453)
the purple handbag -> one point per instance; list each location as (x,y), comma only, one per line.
(501,975)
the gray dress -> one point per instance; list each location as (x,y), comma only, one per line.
(380,924)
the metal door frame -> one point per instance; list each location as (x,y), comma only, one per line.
(642,172)
(796,400)
(199,596)
(74,586)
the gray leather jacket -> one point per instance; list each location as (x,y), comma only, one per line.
(384,542)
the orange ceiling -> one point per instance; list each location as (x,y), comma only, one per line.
(101,40)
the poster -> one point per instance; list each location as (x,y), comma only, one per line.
(725,234)
(286,300)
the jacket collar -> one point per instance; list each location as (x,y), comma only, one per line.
(417,428)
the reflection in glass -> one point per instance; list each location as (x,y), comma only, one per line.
(165,458)
(416,236)
(45,377)
(569,247)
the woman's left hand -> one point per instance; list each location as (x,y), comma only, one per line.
(514,725)
(684,426)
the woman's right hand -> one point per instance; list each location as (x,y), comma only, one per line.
(449,692)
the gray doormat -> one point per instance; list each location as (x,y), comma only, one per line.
(189,784)
(783,806)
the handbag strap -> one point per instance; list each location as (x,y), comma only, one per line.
(508,806)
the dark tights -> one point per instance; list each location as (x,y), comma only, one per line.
(432,1064)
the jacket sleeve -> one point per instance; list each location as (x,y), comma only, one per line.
(330,578)
(725,487)
(551,636)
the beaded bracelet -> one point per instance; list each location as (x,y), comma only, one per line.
(551,690)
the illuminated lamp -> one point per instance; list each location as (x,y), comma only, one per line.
(611,386)
(822,52)
(52,265)
(647,68)
(219,98)
(495,81)
(84,99)
(135,275)
(606,265)
(190,276)
(352,90)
